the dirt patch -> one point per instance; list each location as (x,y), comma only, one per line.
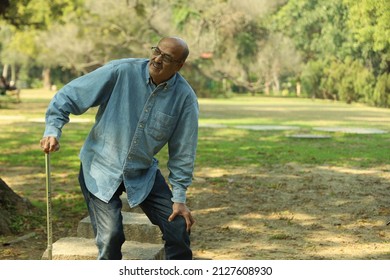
(292,212)
(287,212)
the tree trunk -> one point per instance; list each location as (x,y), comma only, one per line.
(267,88)
(298,88)
(12,208)
(276,87)
(5,70)
(46,78)
(13,73)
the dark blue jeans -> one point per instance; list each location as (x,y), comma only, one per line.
(106,220)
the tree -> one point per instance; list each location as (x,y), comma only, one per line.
(334,36)
(27,18)
(36,14)
(369,22)
(256,45)
(13,210)
(381,97)
(277,58)
(231,43)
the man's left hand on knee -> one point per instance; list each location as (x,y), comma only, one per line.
(180,209)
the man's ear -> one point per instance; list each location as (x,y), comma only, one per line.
(180,65)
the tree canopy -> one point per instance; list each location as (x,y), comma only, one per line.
(318,48)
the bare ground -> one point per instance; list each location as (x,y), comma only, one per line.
(293,212)
(287,212)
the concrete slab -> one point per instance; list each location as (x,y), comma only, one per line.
(309,136)
(77,248)
(286,127)
(267,127)
(136,227)
(355,130)
(212,125)
(126,207)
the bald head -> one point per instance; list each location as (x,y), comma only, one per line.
(167,58)
(179,45)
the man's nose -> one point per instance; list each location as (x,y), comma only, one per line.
(158,58)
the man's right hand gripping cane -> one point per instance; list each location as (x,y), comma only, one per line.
(49,144)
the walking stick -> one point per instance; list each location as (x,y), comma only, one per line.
(49,214)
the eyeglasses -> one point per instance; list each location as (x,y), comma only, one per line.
(166,58)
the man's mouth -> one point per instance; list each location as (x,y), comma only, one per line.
(156,65)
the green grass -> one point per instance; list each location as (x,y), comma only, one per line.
(228,147)
(305,113)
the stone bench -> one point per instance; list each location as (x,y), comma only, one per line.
(136,227)
(143,240)
(78,248)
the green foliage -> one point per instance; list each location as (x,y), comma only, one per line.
(317,26)
(345,45)
(369,21)
(346,80)
(311,78)
(338,49)
(39,14)
(381,96)
(21,44)
(369,24)
(182,14)
(248,40)
(350,80)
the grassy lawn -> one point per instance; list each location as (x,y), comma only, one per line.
(223,151)
(234,147)
(305,113)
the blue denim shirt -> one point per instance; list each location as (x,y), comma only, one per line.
(134,121)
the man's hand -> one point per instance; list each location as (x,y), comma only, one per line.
(180,209)
(49,144)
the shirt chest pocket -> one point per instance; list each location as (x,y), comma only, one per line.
(161,126)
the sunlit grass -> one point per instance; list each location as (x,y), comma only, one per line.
(291,111)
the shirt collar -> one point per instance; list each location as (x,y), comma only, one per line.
(166,84)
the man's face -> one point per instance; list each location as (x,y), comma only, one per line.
(165,60)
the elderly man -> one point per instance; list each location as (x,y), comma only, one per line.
(143,105)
